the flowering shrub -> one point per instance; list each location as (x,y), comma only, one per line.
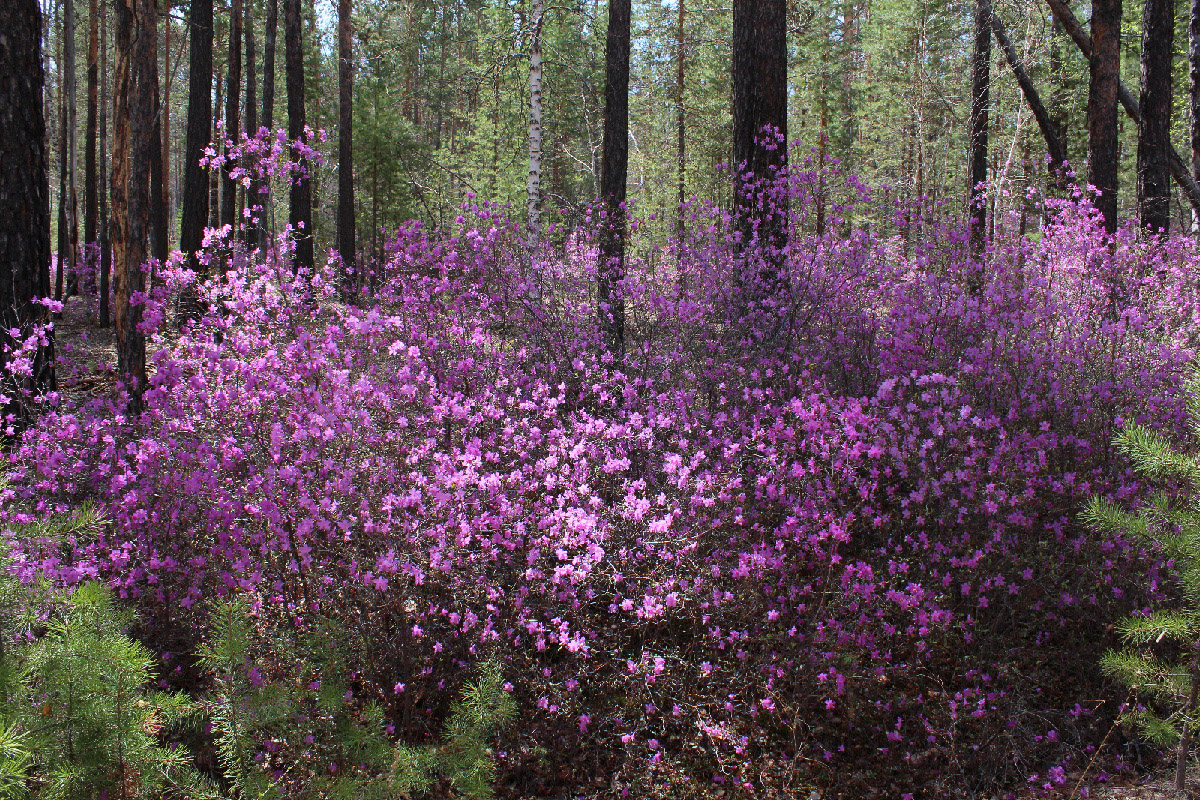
(823,533)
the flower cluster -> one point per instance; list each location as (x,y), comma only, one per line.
(828,522)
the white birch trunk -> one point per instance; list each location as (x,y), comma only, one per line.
(534,185)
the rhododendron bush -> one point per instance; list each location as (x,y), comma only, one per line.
(819,535)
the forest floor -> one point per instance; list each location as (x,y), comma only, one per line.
(1152,787)
(87,351)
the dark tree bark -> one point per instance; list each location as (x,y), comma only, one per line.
(300,200)
(24,186)
(233,98)
(981,59)
(1179,170)
(134,141)
(760,115)
(1154,132)
(199,129)
(105,245)
(93,97)
(613,172)
(1050,131)
(251,236)
(1105,71)
(345,206)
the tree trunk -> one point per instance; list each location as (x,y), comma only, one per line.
(253,196)
(24,189)
(533,188)
(345,206)
(1154,132)
(93,96)
(981,59)
(199,130)
(1194,74)
(134,140)
(1179,169)
(1105,70)
(300,211)
(760,117)
(613,171)
(105,245)
(233,97)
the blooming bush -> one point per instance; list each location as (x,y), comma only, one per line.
(823,534)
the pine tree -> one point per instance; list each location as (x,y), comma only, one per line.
(1169,521)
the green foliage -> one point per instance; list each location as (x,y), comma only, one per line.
(463,755)
(78,717)
(1170,522)
(309,714)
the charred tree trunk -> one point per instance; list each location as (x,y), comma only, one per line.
(24,190)
(1154,132)
(345,205)
(199,130)
(613,172)
(233,98)
(760,118)
(300,200)
(1104,69)
(981,59)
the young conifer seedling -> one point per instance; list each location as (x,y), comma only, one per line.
(1162,653)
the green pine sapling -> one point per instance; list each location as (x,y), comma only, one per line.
(78,716)
(313,719)
(1170,522)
